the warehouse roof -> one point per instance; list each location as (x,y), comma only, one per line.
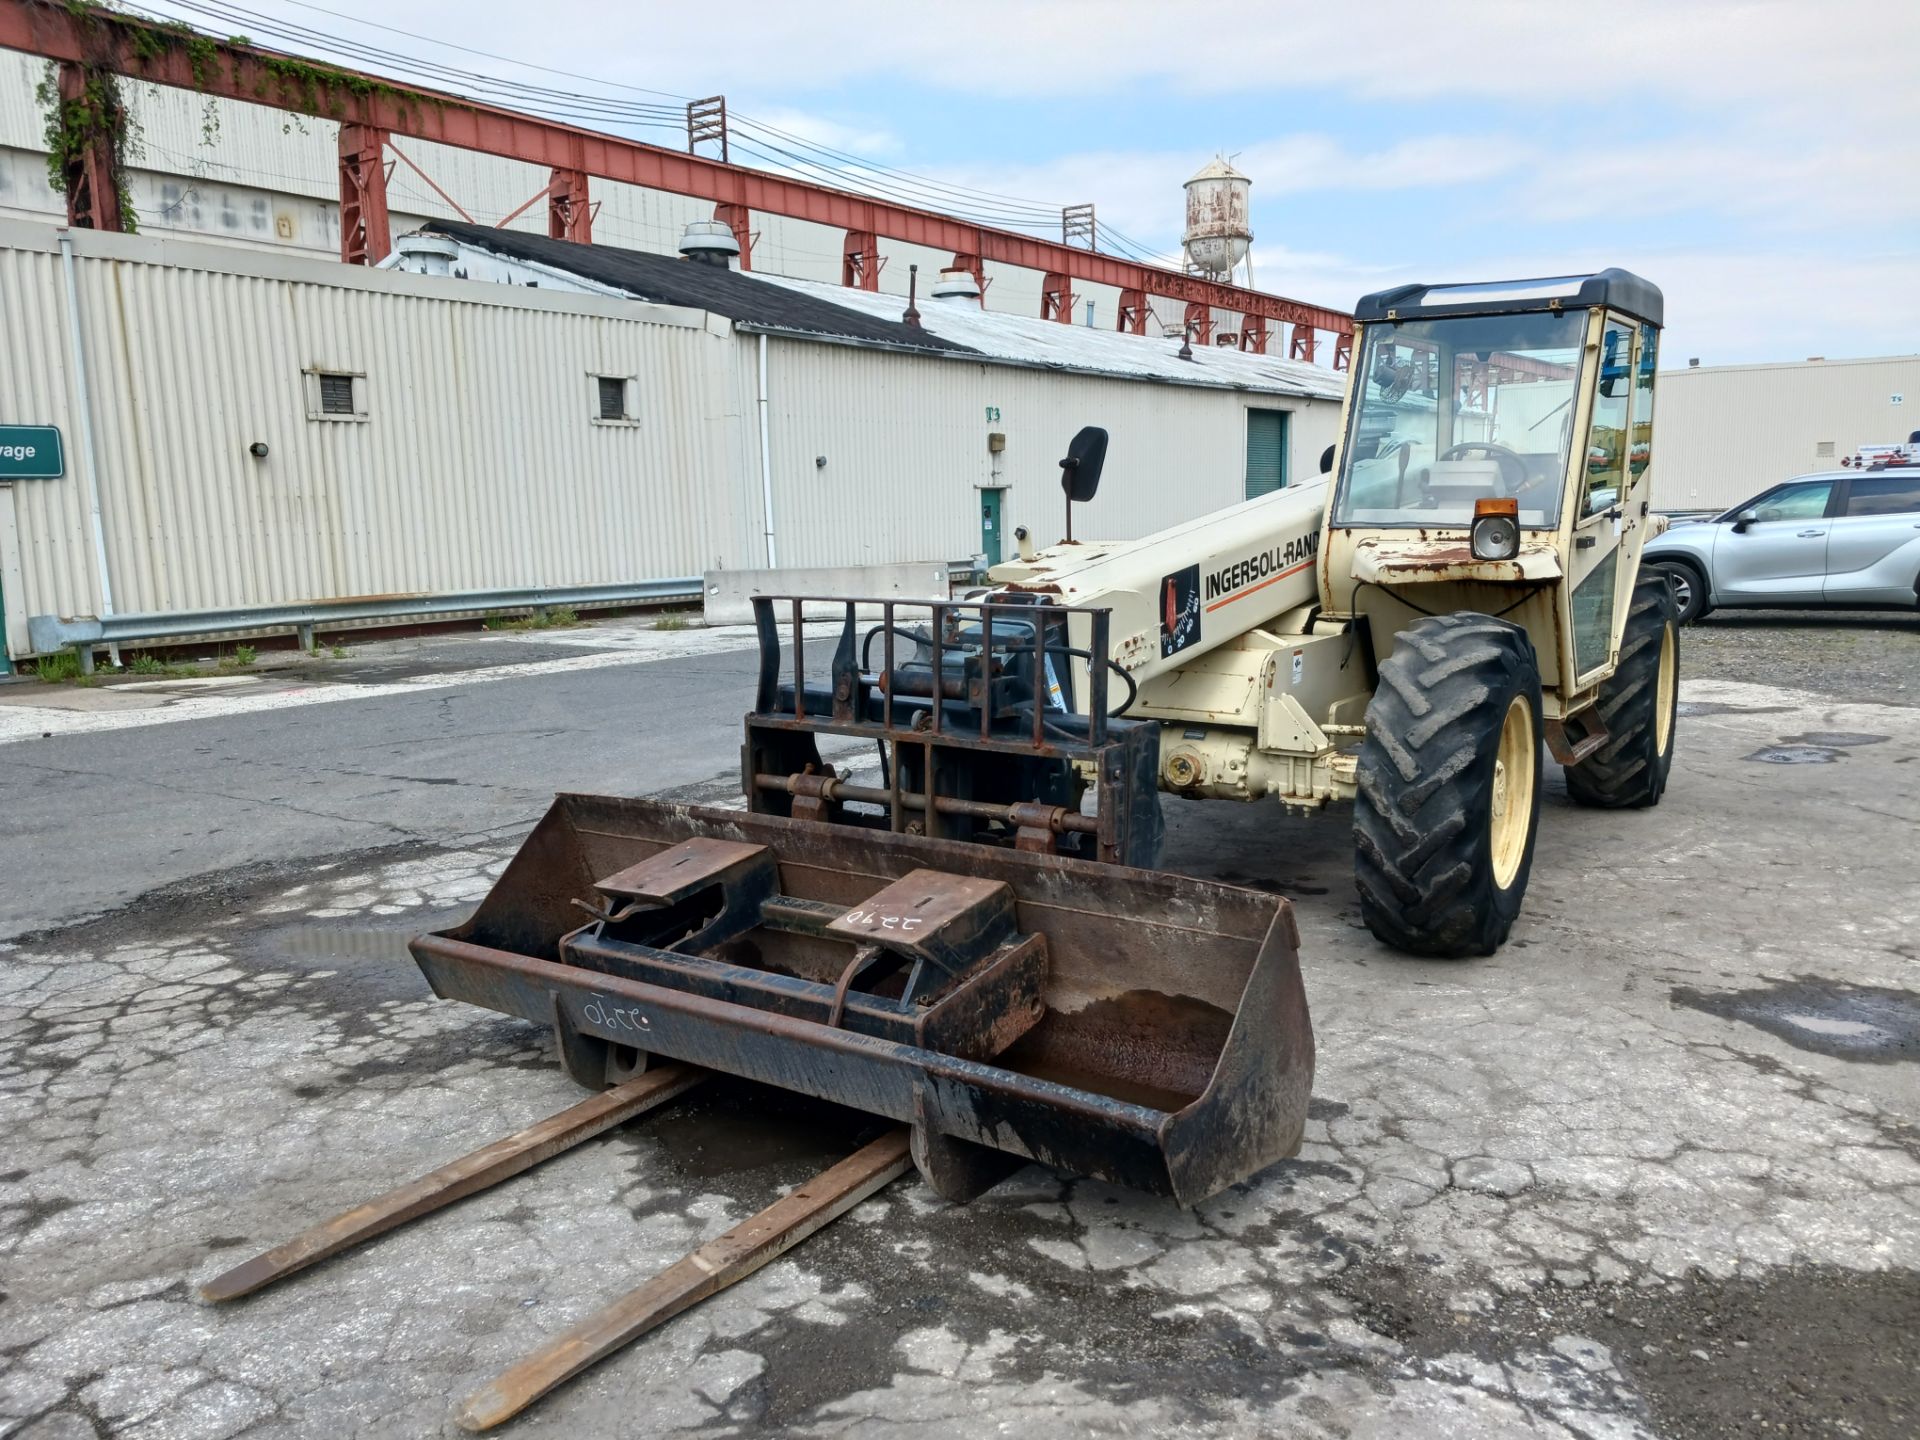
(671,280)
(1029,340)
(956,327)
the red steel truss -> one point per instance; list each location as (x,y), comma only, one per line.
(371,108)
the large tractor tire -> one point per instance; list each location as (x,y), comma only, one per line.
(1449,787)
(1638,706)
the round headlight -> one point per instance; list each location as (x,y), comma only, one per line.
(1495,537)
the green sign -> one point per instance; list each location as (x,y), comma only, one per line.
(31,452)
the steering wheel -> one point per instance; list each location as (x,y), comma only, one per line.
(1513,470)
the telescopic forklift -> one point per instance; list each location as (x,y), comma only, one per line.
(978,947)
(1466,588)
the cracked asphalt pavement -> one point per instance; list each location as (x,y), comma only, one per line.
(1650,1171)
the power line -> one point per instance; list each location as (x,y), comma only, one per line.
(838,167)
(589,107)
(484,54)
(909,188)
(1039,207)
(782,158)
(464,81)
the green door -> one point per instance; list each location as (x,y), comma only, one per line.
(1266,452)
(990,525)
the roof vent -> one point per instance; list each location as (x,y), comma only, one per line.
(422,254)
(709,242)
(955,285)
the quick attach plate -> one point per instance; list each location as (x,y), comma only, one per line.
(932,958)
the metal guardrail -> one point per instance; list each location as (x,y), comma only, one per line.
(47,634)
(50,633)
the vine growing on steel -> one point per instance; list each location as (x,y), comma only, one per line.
(73,123)
(100,109)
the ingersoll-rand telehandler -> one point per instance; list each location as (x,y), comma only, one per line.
(1466,589)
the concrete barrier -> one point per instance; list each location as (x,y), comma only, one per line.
(729,593)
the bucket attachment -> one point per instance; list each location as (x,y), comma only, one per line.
(1139,1027)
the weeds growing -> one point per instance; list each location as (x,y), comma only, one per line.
(57,668)
(554,619)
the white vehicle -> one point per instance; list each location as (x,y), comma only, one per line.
(1846,539)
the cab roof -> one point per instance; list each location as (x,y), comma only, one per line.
(1620,289)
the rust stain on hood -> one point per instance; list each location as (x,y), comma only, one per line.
(1450,558)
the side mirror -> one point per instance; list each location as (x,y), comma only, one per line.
(1326,461)
(1744,519)
(1080,471)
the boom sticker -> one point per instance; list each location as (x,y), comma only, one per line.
(1179,610)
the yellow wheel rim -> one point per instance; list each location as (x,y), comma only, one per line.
(1663,699)
(1510,814)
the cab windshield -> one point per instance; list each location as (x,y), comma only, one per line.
(1456,409)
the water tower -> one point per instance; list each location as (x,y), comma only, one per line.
(1219,221)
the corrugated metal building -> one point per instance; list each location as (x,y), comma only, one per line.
(437,435)
(1725,432)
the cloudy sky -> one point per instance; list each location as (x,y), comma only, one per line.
(1758,159)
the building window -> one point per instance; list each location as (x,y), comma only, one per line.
(1266,452)
(613,399)
(336,395)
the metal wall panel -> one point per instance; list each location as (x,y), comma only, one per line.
(906,449)
(35,389)
(1722,433)
(479,463)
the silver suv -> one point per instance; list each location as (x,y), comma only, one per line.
(1849,539)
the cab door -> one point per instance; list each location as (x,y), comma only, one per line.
(1780,557)
(1603,487)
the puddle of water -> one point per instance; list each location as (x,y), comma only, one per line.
(1850,1022)
(1826,1025)
(1816,747)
